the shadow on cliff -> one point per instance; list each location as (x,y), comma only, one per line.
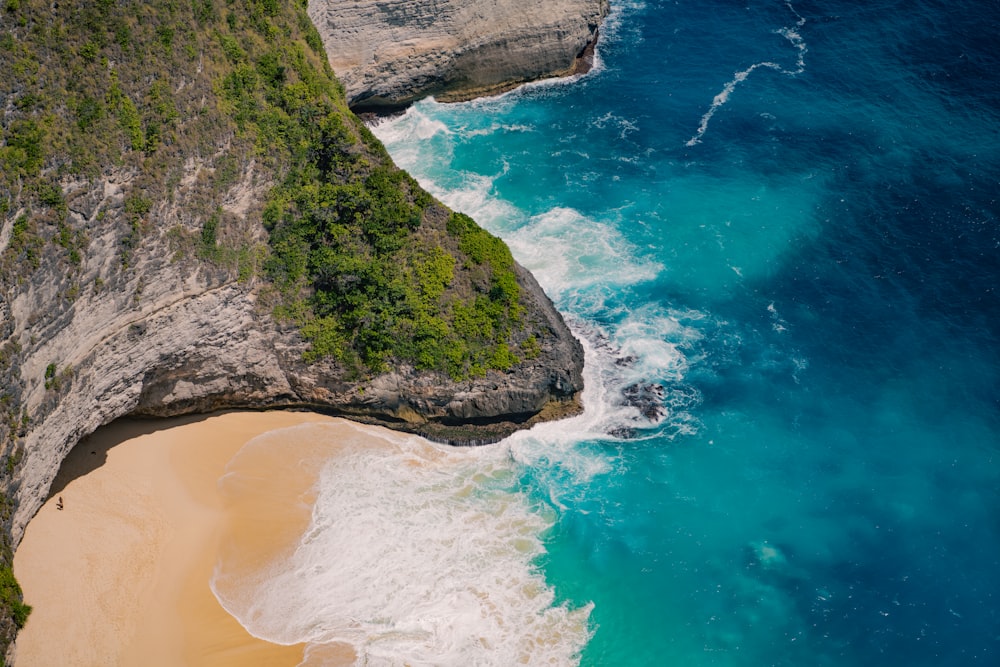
(92,451)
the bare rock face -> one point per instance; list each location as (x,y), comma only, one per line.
(389,53)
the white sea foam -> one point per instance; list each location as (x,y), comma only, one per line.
(474,196)
(616,24)
(408,132)
(415,554)
(411,125)
(793,36)
(625,125)
(655,338)
(650,347)
(585,265)
(576,257)
(498,127)
(646,348)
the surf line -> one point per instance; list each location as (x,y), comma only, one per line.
(789,33)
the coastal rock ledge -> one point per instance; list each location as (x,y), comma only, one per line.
(389,53)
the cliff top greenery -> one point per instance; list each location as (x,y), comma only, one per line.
(361,260)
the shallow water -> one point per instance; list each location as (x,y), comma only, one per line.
(785,215)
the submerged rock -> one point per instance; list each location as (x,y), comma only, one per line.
(647,399)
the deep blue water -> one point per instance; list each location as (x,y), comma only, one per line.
(809,268)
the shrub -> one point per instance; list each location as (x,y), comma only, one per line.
(11,597)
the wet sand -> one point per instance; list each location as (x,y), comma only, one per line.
(120,575)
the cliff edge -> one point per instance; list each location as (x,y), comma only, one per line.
(389,53)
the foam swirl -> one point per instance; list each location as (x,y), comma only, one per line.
(794,38)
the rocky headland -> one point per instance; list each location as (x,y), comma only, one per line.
(150,160)
(389,53)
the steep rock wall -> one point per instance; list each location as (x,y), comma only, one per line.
(388,53)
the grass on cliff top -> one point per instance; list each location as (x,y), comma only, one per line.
(368,267)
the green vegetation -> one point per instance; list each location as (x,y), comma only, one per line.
(355,256)
(362,260)
(13,611)
(54,379)
(50,376)
(11,597)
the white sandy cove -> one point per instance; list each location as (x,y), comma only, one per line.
(120,575)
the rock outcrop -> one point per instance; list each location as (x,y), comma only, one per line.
(389,53)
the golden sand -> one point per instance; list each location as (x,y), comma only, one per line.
(120,575)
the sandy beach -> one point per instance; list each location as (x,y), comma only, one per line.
(120,575)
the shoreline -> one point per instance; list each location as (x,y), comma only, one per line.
(121,573)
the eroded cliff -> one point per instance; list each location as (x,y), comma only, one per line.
(389,53)
(191,220)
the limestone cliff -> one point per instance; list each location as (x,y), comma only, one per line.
(181,190)
(389,53)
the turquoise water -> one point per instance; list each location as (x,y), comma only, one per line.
(785,216)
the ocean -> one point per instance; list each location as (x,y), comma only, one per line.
(774,227)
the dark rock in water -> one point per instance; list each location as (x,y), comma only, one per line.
(623,432)
(647,398)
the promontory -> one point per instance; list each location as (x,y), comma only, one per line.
(388,53)
(192,219)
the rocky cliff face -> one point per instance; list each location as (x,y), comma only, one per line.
(389,53)
(128,147)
